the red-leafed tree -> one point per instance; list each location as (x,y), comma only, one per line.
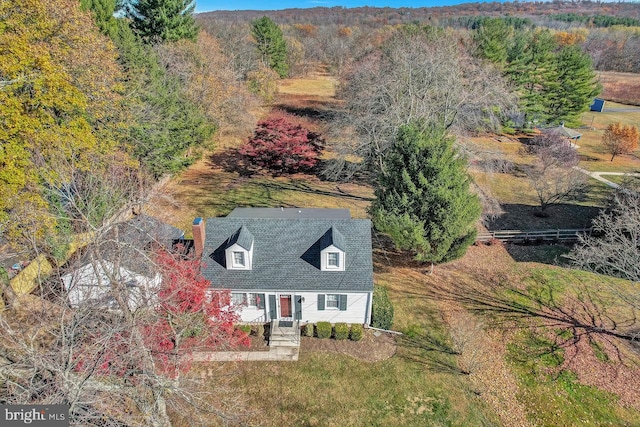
(186,317)
(282,146)
(189,316)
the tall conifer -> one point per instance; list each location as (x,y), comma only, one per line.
(423,199)
(163,20)
(271,45)
(572,87)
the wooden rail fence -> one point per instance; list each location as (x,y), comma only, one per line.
(525,236)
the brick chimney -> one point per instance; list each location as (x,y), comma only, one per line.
(199,237)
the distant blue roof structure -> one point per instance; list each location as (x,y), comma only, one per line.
(598,105)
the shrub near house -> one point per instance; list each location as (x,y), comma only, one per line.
(382,312)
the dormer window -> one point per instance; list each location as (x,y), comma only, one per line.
(238,259)
(332,255)
(239,250)
(333,259)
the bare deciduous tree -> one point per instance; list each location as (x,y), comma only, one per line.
(552,175)
(418,74)
(236,43)
(615,249)
(120,355)
(210,81)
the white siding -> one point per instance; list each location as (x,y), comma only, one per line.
(91,283)
(358,307)
(324,264)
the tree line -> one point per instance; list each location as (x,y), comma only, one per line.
(373,18)
(95,100)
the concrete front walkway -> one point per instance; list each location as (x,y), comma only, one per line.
(274,354)
(284,345)
(598,176)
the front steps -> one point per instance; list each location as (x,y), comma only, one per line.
(284,345)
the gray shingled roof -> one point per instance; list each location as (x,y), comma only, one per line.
(286,255)
(564,131)
(308,213)
(144,229)
(243,238)
(332,237)
(136,237)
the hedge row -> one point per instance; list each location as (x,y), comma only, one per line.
(257,330)
(340,331)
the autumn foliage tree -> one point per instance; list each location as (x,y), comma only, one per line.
(282,146)
(189,316)
(61,110)
(620,139)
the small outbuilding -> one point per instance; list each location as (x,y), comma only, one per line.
(571,135)
(598,105)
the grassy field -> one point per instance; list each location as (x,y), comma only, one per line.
(593,155)
(488,340)
(621,87)
(516,195)
(321,86)
(208,190)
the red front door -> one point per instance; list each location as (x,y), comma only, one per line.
(285,306)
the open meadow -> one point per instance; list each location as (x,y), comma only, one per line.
(490,339)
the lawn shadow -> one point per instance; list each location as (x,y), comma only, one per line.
(310,112)
(553,324)
(562,216)
(583,311)
(230,160)
(312,109)
(429,350)
(303,187)
(544,253)
(341,170)
(588,158)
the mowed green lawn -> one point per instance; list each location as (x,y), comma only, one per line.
(594,155)
(515,192)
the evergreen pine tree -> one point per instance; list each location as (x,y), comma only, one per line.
(271,45)
(492,37)
(163,20)
(530,65)
(164,124)
(102,11)
(423,199)
(572,86)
